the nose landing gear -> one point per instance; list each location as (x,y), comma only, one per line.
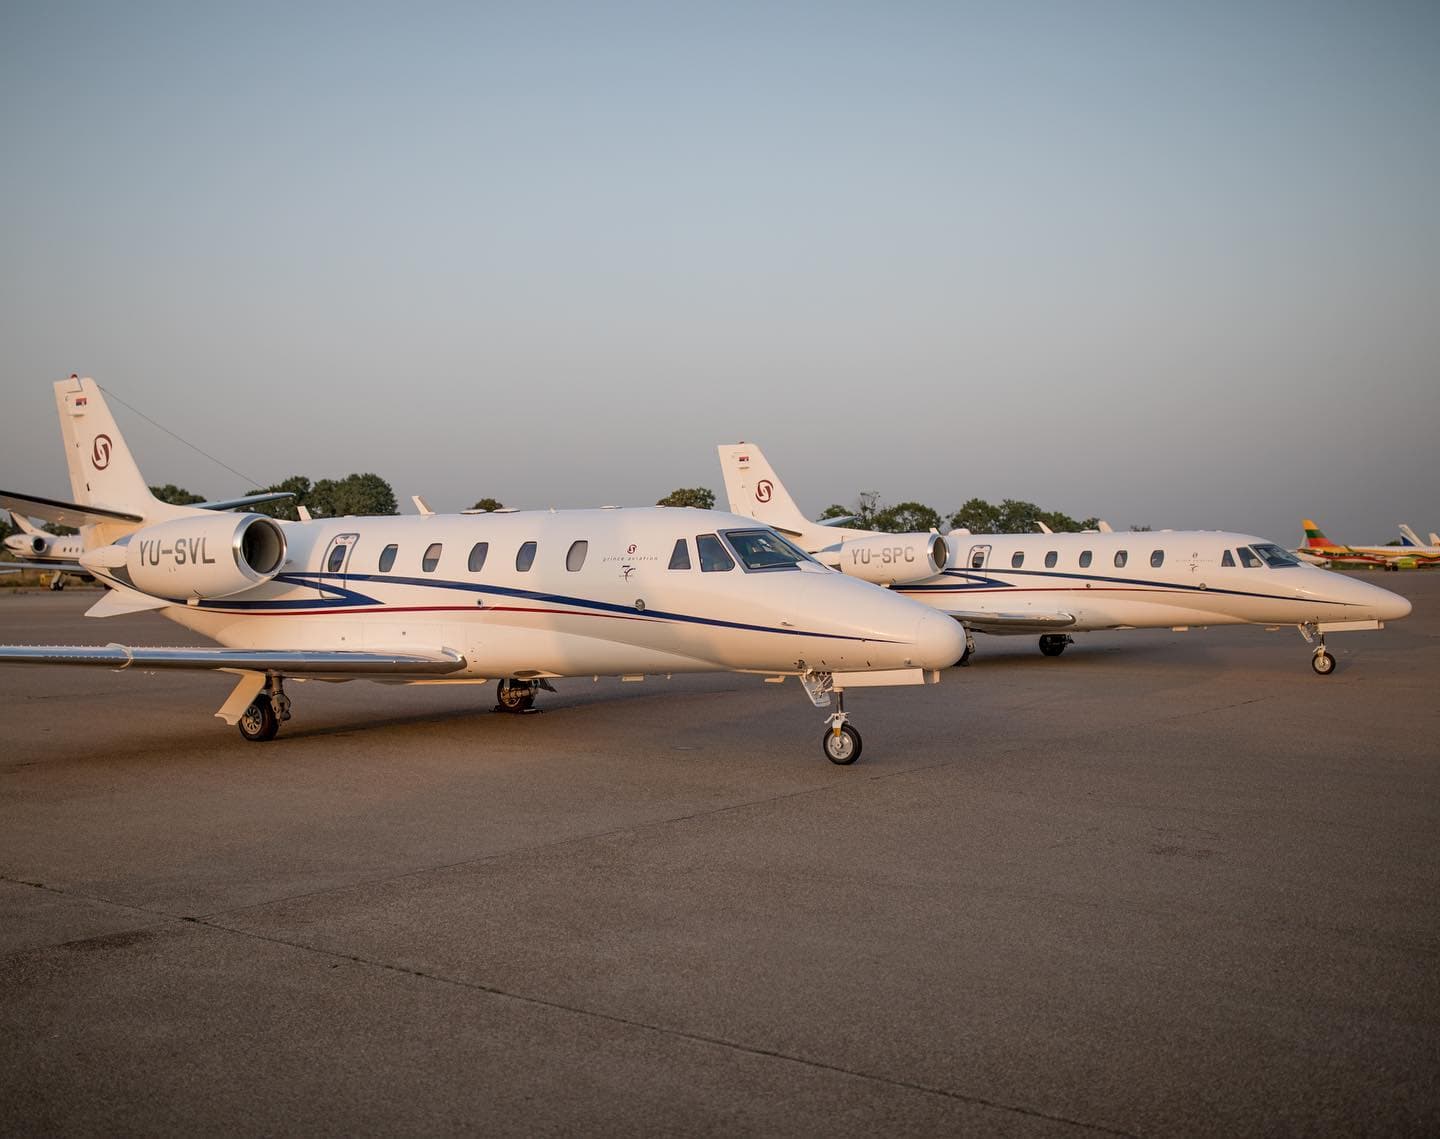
(1053,644)
(1321,659)
(841,742)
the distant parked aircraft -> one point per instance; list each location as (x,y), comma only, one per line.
(1056,584)
(1318,546)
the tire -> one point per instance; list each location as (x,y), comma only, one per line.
(1323,663)
(1052,645)
(842,749)
(258,722)
(511,696)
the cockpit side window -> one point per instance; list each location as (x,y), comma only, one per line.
(713,556)
(680,555)
(1276,557)
(764,550)
(1248,558)
(1227,559)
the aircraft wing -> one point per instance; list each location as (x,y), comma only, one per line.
(986,622)
(308,663)
(65,513)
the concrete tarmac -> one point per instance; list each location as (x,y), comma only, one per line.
(1166,884)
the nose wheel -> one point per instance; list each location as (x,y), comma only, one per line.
(841,743)
(1322,662)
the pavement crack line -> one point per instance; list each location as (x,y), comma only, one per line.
(674,1033)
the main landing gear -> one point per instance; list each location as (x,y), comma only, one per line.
(841,742)
(57,583)
(514,695)
(969,648)
(266,713)
(1053,644)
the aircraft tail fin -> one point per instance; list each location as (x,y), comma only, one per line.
(103,473)
(23,524)
(1408,537)
(1434,538)
(755,491)
(1315,537)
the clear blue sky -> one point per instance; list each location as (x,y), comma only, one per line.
(1168,263)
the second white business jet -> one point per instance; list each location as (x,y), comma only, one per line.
(1058,584)
(519,597)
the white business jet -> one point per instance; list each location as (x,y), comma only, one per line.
(1056,584)
(36,549)
(519,597)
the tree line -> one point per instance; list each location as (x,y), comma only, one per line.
(369,494)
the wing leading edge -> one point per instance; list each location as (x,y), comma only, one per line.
(286,662)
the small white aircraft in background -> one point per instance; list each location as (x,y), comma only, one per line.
(37,549)
(519,597)
(1056,584)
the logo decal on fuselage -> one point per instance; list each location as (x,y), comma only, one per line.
(100,452)
(763,490)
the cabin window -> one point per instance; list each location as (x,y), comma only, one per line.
(525,557)
(1017,560)
(478,553)
(1276,557)
(978,554)
(387,557)
(1121,557)
(765,550)
(1157,558)
(1085,558)
(680,555)
(431,558)
(575,558)
(336,560)
(1227,559)
(713,558)
(1248,558)
(1050,559)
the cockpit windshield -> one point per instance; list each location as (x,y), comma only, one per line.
(1276,557)
(765,550)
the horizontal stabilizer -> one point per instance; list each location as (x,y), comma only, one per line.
(286,662)
(119,601)
(246,500)
(63,513)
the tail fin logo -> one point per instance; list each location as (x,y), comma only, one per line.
(763,490)
(100,452)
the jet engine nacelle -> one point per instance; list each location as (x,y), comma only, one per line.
(893,559)
(39,545)
(217,555)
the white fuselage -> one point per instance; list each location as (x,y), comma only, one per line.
(36,546)
(417,584)
(1143,579)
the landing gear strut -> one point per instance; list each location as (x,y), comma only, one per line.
(1053,644)
(1321,660)
(969,648)
(841,742)
(266,713)
(57,582)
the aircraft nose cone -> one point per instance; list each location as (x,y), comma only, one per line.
(939,641)
(1395,608)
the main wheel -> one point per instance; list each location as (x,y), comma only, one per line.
(514,696)
(1053,644)
(1323,663)
(259,723)
(57,583)
(842,747)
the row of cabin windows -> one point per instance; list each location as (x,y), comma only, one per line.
(1261,554)
(430,560)
(1052,558)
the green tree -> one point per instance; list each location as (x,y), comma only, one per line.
(491,504)
(298,485)
(906,518)
(355,494)
(176,495)
(835,510)
(697,496)
(977,516)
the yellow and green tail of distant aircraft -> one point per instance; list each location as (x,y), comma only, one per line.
(1319,548)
